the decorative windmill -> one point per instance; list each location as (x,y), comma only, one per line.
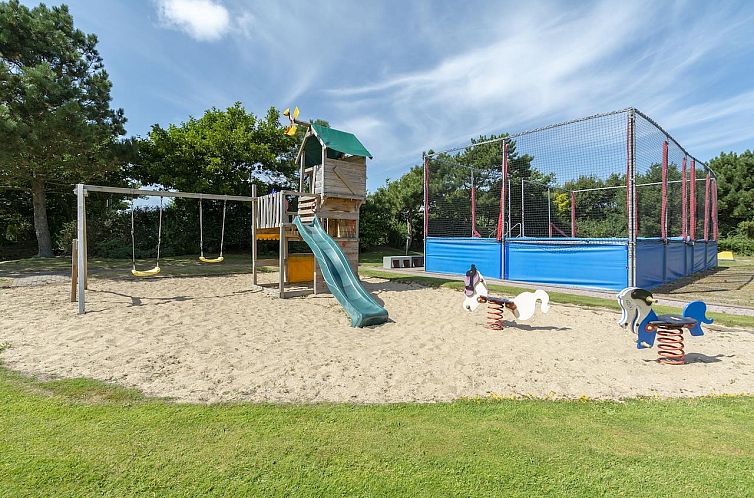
(291,129)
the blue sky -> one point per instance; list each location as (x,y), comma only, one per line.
(410,76)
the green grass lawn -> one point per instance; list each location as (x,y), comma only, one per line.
(80,437)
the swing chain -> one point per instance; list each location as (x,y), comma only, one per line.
(222,231)
(159,234)
(201,229)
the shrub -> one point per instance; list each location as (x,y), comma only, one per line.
(741,246)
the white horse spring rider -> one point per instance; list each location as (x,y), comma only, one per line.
(522,306)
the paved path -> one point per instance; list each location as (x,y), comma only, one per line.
(35,279)
(664,299)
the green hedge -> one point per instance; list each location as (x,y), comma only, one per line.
(739,245)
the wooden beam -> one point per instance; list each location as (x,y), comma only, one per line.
(281,262)
(80,206)
(254,215)
(165,193)
(86,252)
(74,268)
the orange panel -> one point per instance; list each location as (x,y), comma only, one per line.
(300,268)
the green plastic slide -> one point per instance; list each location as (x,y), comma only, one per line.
(343,283)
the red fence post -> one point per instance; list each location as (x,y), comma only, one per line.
(692,204)
(426,200)
(503,184)
(714,211)
(664,213)
(684,200)
(474,233)
(573,214)
(706,207)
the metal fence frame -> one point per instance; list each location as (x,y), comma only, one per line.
(688,205)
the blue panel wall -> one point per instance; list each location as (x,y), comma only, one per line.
(650,261)
(675,256)
(712,254)
(456,255)
(700,256)
(689,259)
(600,265)
(658,263)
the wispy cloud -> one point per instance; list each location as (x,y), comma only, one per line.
(545,65)
(203,20)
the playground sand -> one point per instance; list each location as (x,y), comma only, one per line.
(212,339)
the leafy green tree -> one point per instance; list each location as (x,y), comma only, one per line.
(452,177)
(600,206)
(735,179)
(392,215)
(222,152)
(56,124)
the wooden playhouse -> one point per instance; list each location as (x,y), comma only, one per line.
(332,187)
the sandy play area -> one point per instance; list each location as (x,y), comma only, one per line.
(213,339)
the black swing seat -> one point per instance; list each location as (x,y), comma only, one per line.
(499,300)
(673,321)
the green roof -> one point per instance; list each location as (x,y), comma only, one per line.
(341,141)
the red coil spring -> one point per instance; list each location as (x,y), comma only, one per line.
(495,315)
(670,346)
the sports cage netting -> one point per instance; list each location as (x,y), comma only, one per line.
(572,181)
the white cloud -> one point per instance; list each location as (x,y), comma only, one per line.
(203,20)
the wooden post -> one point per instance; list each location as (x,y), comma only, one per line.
(285,257)
(81,269)
(254,216)
(322,169)
(74,268)
(86,251)
(281,257)
(301,171)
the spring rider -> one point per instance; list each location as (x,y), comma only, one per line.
(522,306)
(636,304)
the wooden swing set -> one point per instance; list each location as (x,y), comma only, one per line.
(79,264)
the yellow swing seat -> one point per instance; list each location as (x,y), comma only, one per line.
(146,273)
(210,260)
